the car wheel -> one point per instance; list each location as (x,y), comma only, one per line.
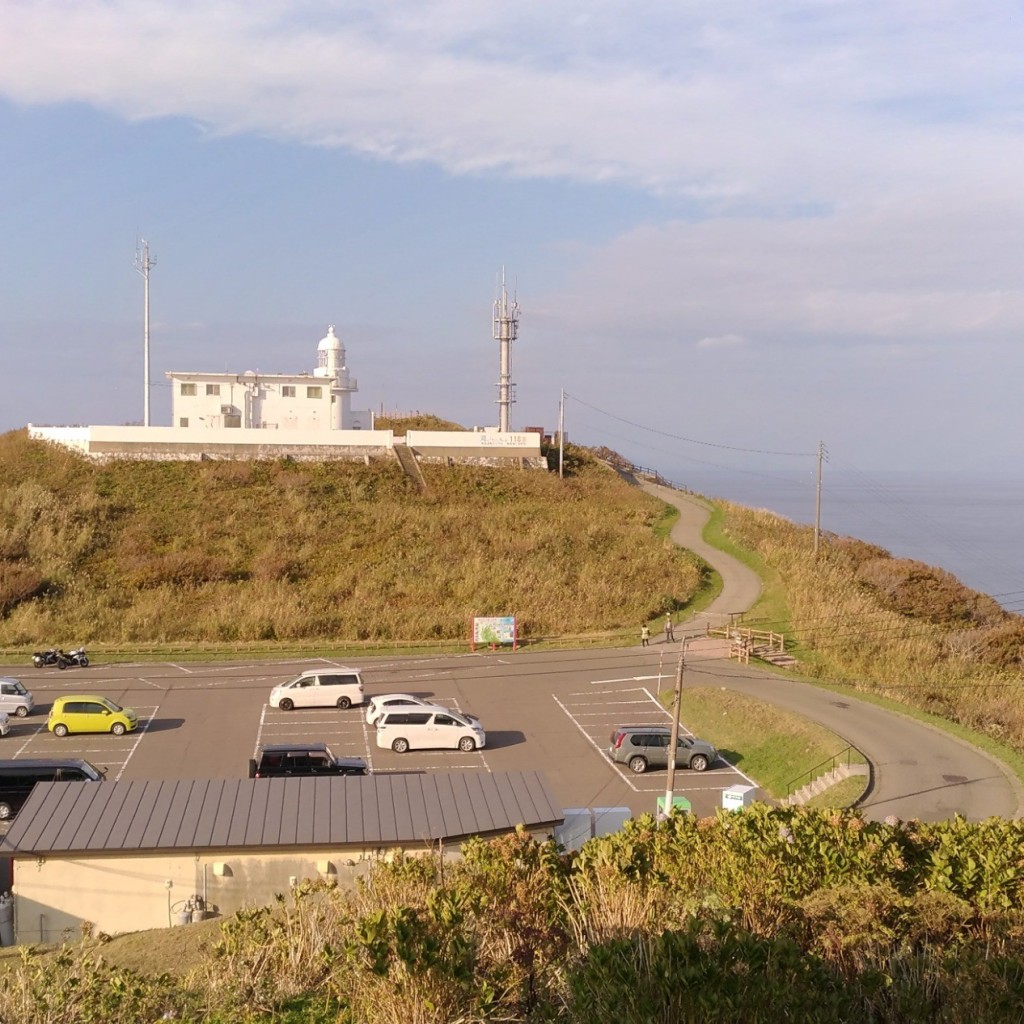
(60,729)
(400,746)
(286,704)
(467,744)
(117,728)
(22,711)
(698,762)
(252,767)
(5,811)
(344,703)
(637,764)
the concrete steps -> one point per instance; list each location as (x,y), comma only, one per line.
(823,782)
(408,462)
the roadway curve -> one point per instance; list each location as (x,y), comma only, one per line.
(918,770)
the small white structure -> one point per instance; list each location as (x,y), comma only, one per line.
(319,401)
(737,797)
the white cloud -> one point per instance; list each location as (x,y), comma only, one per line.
(722,341)
(757,103)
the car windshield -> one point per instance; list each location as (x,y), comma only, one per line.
(110,705)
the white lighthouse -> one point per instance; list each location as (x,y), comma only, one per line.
(330,363)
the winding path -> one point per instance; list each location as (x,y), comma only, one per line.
(918,770)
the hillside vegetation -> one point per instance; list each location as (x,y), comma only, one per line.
(137,552)
(758,916)
(896,627)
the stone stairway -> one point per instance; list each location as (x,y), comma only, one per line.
(823,782)
(408,462)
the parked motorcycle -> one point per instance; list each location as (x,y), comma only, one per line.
(76,657)
(52,656)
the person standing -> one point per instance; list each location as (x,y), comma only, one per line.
(645,635)
(670,636)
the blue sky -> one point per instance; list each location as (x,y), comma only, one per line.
(752,224)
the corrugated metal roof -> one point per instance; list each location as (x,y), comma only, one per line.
(384,809)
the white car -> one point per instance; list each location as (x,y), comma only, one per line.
(428,728)
(14,698)
(376,706)
(320,688)
(5,723)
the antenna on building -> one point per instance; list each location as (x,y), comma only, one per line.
(506,328)
(143,264)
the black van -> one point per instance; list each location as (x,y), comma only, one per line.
(18,777)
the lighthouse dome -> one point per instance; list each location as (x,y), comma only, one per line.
(330,342)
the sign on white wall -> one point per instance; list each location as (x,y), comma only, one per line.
(494,630)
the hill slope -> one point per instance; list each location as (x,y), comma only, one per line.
(206,551)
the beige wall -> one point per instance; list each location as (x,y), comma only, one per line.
(53,896)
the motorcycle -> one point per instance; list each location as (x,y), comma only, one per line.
(52,656)
(75,657)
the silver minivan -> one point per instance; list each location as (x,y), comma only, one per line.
(14,698)
(320,688)
(429,729)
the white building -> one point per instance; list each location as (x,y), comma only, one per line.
(272,401)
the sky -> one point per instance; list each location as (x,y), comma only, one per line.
(734,229)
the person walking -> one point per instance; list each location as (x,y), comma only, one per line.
(645,635)
(670,636)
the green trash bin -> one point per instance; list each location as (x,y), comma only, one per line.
(679,803)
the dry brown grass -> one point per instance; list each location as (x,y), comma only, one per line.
(137,552)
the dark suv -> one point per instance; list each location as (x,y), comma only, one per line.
(18,777)
(277,759)
(640,747)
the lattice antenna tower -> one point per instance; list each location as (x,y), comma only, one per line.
(506,329)
(144,263)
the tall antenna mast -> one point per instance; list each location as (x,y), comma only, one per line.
(506,328)
(143,264)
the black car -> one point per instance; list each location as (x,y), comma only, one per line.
(18,777)
(273,760)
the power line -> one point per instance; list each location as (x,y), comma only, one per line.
(689,440)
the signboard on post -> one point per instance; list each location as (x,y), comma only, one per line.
(494,630)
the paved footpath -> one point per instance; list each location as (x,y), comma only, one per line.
(918,770)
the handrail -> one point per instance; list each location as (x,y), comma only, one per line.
(812,773)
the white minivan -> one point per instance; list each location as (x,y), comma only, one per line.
(429,729)
(320,688)
(14,698)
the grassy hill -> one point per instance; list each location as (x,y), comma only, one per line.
(137,552)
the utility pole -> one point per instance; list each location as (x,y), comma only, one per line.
(677,700)
(143,264)
(817,500)
(561,435)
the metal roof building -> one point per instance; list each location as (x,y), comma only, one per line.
(124,855)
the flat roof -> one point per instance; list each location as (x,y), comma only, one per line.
(386,809)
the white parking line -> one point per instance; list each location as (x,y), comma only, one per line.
(138,739)
(627,679)
(591,741)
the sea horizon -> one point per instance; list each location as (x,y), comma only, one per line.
(965,523)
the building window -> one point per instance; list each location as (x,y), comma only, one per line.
(182,421)
(188,390)
(288,391)
(314,392)
(213,389)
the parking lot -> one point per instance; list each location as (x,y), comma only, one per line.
(553,712)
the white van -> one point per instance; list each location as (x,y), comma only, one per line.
(429,729)
(14,698)
(320,688)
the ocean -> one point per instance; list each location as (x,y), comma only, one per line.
(968,525)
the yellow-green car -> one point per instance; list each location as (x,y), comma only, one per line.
(90,714)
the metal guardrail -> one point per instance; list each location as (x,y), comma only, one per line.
(843,757)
